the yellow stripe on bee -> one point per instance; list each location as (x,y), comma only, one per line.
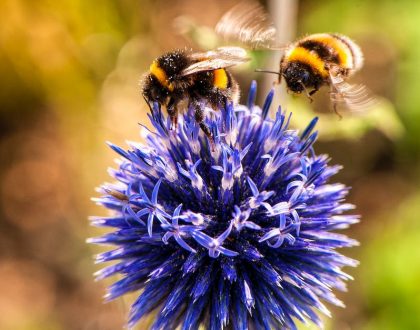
(220,79)
(300,54)
(342,50)
(160,75)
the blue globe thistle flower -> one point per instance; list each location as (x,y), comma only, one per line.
(237,237)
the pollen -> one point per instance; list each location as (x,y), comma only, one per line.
(220,79)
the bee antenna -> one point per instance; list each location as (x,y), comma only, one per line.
(268,71)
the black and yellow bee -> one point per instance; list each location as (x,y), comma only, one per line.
(322,59)
(193,77)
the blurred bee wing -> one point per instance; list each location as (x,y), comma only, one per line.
(222,57)
(355,97)
(248,23)
(225,52)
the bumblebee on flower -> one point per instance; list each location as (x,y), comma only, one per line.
(237,238)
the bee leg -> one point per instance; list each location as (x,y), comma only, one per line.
(312,92)
(199,118)
(173,116)
(224,103)
(148,103)
(309,97)
(172,109)
(308,94)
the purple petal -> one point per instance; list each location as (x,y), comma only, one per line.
(203,239)
(155,192)
(227,252)
(224,235)
(253,186)
(150,223)
(181,242)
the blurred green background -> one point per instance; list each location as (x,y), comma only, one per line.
(70,73)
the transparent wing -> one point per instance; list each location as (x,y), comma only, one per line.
(225,52)
(355,97)
(222,57)
(248,23)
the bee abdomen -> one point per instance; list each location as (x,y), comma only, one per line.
(354,49)
(324,51)
(334,48)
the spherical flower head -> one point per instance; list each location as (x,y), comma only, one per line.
(234,234)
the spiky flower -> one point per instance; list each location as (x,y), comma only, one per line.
(236,237)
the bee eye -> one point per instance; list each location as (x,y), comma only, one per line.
(304,76)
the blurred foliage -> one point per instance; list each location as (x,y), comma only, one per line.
(70,74)
(381,117)
(391,287)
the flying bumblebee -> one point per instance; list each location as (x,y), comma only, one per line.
(322,59)
(195,77)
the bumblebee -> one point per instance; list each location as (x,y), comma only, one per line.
(195,77)
(323,59)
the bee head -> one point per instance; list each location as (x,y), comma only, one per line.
(297,76)
(153,91)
